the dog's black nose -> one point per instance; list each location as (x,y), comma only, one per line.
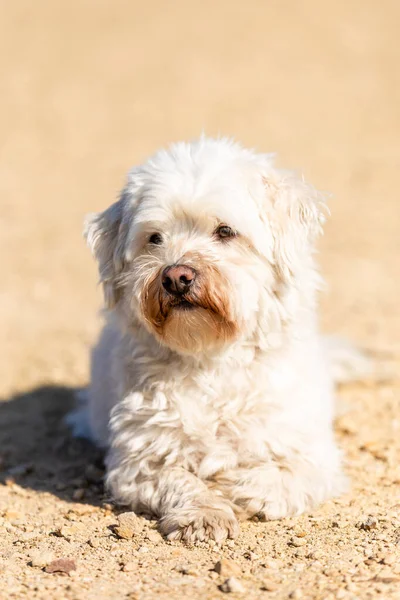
(177,279)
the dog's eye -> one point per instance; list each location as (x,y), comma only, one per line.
(224,232)
(155,239)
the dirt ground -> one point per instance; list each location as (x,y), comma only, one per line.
(89,88)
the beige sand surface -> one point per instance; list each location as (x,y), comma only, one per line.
(90,87)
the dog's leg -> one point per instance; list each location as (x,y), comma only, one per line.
(276,490)
(78,418)
(190,511)
(146,471)
(187,509)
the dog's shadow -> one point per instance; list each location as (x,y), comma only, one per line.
(37,450)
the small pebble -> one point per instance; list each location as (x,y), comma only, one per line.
(153,536)
(188,570)
(338,524)
(227,568)
(368,524)
(41,559)
(213,575)
(315,555)
(13,515)
(386,579)
(61,565)
(272,563)
(250,555)
(78,494)
(297,542)
(268,585)
(300,533)
(128,567)
(232,585)
(295,594)
(68,531)
(388,559)
(129,525)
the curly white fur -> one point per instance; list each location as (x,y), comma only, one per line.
(225,410)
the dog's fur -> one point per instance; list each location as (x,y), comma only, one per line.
(223,409)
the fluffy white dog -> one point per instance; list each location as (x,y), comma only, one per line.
(209,385)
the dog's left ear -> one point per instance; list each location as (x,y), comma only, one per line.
(296,214)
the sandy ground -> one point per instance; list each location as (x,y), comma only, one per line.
(88,88)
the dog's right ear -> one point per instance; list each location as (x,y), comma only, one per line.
(104,236)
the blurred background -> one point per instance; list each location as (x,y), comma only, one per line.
(91,87)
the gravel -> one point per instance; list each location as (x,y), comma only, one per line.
(89,89)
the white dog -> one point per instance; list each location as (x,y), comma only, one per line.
(209,384)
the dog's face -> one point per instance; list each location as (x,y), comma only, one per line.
(206,246)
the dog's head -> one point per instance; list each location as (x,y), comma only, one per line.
(208,244)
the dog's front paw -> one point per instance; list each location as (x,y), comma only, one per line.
(200,525)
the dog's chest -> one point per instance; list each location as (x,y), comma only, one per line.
(224,415)
(218,417)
